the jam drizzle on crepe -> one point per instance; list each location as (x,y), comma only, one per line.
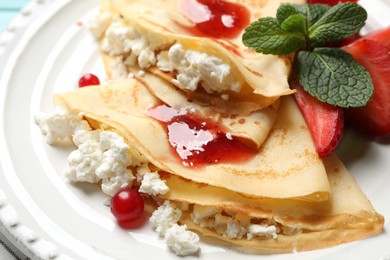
(199,141)
(215,18)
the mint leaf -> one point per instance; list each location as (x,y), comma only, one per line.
(334,77)
(312,12)
(337,23)
(285,11)
(331,75)
(295,23)
(266,36)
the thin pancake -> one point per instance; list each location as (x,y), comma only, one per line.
(264,75)
(286,166)
(347,216)
(252,129)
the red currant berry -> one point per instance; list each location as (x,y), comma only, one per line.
(127,205)
(88,80)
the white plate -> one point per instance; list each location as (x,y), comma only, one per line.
(45,50)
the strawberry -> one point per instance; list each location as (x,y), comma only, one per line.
(373,118)
(381,36)
(325,122)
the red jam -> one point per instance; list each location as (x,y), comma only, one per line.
(215,18)
(198,141)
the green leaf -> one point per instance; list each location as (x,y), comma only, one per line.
(334,77)
(295,23)
(312,12)
(337,23)
(266,36)
(285,11)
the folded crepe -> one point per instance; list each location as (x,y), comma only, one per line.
(153,36)
(285,166)
(251,129)
(269,225)
(283,199)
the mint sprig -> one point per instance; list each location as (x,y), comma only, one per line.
(273,39)
(334,77)
(329,74)
(337,23)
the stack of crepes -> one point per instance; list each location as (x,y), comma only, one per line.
(281,197)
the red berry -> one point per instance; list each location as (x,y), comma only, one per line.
(325,122)
(373,118)
(88,80)
(127,205)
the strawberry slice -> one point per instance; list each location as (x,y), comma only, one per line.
(325,122)
(381,36)
(374,118)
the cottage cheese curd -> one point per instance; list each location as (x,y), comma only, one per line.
(178,238)
(100,155)
(99,24)
(182,241)
(235,227)
(139,48)
(58,124)
(262,231)
(104,156)
(152,184)
(164,217)
(195,69)
(192,68)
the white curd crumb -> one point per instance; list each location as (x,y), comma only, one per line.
(225,97)
(234,229)
(164,217)
(118,38)
(101,156)
(153,185)
(262,231)
(229,136)
(193,68)
(83,162)
(99,24)
(196,68)
(201,211)
(57,124)
(121,39)
(182,241)
(163,62)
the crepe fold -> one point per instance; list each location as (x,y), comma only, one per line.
(285,166)
(256,80)
(301,225)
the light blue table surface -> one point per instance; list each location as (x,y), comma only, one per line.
(8,10)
